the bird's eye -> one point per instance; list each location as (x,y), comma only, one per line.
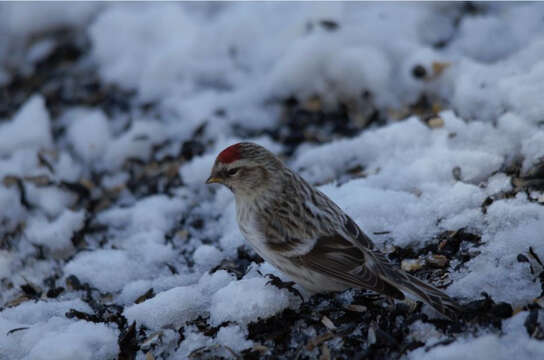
(232,171)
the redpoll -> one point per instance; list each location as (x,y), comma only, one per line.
(303,233)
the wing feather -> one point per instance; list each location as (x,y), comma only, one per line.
(336,257)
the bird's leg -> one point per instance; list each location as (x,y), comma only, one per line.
(280,284)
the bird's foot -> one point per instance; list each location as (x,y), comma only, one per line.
(280,284)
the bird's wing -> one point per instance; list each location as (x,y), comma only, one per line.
(339,258)
(358,237)
(358,263)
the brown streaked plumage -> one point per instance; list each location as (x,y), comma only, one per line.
(306,235)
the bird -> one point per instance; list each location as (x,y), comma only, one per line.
(299,230)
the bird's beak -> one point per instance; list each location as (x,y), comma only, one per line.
(212,180)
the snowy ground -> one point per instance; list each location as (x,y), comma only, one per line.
(425,122)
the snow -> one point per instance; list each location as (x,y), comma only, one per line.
(504,246)
(159,312)
(246,300)
(514,343)
(156,212)
(178,305)
(533,150)
(57,235)
(20,21)
(82,339)
(40,50)
(51,200)
(234,337)
(49,335)
(30,313)
(160,55)
(23,19)
(219,74)
(89,134)
(107,270)
(5,261)
(135,143)
(198,170)
(9,199)
(29,128)
(207,256)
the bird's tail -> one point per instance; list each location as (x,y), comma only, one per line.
(413,286)
(428,294)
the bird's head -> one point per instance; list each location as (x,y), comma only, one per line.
(245,168)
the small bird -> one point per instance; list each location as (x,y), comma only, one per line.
(303,233)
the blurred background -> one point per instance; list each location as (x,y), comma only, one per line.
(422,120)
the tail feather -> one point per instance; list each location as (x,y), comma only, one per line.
(410,284)
(428,294)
